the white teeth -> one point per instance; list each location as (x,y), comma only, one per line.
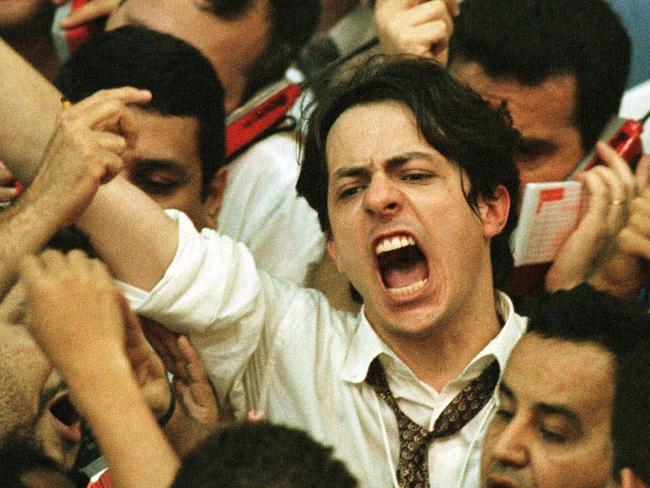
(392,243)
(405,290)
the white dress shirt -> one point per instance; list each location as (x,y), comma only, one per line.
(270,345)
(262,209)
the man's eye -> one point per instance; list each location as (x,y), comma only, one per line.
(553,437)
(348,192)
(416,176)
(504,415)
(156,185)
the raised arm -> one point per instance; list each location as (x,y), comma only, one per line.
(77,161)
(29,107)
(78,317)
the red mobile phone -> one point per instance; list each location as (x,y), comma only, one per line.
(625,137)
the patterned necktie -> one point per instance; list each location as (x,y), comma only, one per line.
(412,470)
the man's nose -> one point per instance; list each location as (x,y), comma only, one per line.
(383,198)
(511,446)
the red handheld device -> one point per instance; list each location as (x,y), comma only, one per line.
(625,137)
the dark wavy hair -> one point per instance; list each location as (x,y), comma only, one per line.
(452,118)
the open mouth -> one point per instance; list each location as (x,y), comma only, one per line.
(63,410)
(402,265)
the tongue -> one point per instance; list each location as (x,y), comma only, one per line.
(404,273)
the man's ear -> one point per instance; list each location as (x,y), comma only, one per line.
(331,249)
(494,212)
(630,480)
(213,201)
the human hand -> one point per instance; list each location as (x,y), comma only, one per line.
(416,27)
(193,388)
(74,311)
(8,190)
(148,369)
(625,268)
(608,189)
(85,150)
(197,413)
(92,10)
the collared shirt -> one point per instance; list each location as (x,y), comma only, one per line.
(261,208)
(272,346)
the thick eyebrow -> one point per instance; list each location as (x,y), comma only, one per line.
(391,164)
(561,410)
(546,408)
(148,165)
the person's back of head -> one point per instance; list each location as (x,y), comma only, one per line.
(532,40)
(630,426)
(585,315)
(181,80)
(261,455)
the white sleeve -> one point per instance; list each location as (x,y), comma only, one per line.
(211,292)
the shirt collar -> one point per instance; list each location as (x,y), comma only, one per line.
(501,346)
(363,348)
(366,345)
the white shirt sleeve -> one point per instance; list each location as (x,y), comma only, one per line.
(211,292)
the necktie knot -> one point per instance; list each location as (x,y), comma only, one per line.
(412,470)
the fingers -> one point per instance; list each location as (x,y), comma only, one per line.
(620,167)
(127,95)
(164,343)
(419,28)
(194,365)
(8,190)
(453,7)
(635,237)
(642,172)
(88,12)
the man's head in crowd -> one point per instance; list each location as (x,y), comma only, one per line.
(262,455)
(552,426)
(249,42)
(630,426)
(180,144)
(35,409)
(559,65)
(412,184)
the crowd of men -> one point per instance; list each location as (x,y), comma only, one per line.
(333,305)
